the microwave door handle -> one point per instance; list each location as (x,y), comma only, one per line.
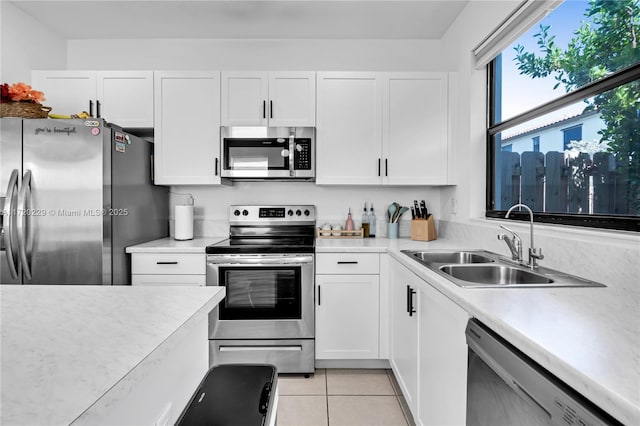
(292,147)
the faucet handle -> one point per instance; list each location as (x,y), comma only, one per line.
(515,235)
(536,253)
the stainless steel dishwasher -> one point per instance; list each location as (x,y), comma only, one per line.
(505,387)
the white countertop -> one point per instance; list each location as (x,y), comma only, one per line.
(588,337)
(64,347)
(169,245)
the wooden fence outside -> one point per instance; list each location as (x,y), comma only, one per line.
(552,183)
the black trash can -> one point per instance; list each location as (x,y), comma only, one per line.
(233,394)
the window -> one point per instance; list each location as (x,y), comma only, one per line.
(572,134)
(565,98)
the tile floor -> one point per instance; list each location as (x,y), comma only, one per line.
(340,397)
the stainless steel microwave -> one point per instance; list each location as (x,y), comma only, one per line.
(257,153)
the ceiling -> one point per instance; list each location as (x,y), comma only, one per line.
(242,19)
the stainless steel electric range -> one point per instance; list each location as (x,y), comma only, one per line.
(267,267)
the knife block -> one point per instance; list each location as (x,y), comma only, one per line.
(423,229)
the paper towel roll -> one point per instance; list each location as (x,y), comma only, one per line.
(183,223)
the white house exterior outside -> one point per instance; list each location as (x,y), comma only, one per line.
(553,136)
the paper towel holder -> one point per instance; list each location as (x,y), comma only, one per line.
(183,219)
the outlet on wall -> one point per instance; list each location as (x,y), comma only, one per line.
(454,206)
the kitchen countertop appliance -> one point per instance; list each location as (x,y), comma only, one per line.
(267,267)
(505,387)
(78,192)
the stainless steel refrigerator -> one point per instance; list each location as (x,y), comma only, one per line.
(74,194)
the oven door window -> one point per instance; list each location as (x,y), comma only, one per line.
(261,293)
(252,154)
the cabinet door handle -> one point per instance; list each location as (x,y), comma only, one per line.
(270,109)
(264,109)
(90,108)
(153,168)
(98,109)
(347,262)
(216,166)
(167,263)
(410,293)
(379,160)
(386,167)
(318,294)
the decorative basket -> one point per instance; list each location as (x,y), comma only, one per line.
(24,110)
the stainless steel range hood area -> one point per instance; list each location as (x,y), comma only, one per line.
(268,153)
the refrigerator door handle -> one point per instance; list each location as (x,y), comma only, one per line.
(25,224)
(10,214)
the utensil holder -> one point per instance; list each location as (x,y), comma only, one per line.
(423,229)
(392,230)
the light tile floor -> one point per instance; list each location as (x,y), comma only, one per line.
(337,397)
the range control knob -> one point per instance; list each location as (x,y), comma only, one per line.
(245,213)
(307,212)
(290,212)
(298,212)
(236,212)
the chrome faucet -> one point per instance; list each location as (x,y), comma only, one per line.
(514,244)
(534,254)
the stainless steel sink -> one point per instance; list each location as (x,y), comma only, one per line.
(499,275)
(485,269)
(451,257)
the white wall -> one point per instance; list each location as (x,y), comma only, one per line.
(26,44)
(313,55)
(475,22)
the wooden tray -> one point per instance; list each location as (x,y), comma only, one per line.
(357,233)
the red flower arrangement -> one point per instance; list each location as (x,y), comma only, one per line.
(20,92)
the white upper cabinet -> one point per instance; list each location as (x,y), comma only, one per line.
(124,98)
(254,98)
(67,92)
(244,98)
(382,128)
(187,127)
(414,128)
(349,131)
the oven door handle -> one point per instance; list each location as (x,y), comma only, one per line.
(259,260)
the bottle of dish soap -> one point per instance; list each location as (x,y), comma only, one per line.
(372,222)
(349,225)
(365,221)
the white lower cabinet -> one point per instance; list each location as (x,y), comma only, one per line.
(404,331)
(347,306)
(347,316)
(428,349)
(168,269)
(442,360)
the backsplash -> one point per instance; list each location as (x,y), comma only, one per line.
(211,213)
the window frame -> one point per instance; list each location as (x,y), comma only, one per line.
(619,78)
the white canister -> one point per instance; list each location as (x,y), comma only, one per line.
(183,229)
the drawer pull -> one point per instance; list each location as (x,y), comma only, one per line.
(347,262)
(167,263)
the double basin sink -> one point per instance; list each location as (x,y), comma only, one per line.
(484,269)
